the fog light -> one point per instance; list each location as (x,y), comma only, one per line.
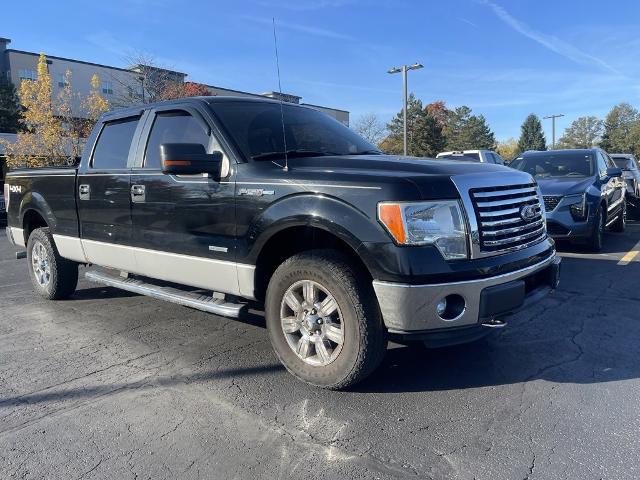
(451,307)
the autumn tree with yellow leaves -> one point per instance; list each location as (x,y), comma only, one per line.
(53,136)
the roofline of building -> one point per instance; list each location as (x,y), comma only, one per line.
(328,108)
(72,60)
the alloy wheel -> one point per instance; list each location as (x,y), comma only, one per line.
(41,264)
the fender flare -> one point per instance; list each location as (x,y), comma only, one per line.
(35,201)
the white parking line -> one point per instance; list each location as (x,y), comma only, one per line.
(630,255)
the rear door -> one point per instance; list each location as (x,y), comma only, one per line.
(184,226)
(104,206)
(609,186)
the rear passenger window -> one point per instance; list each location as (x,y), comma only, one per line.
(114,142)
(173,127)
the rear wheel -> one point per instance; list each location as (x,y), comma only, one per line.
(621,222)
(52,276)
(323,320)
(596,239)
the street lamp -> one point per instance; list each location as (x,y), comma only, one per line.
(404,69)
(553,128)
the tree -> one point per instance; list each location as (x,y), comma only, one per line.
(618,126)
(424,133)
(464,131)
(439,111)
(184,89)
(508,149)
(43,143)
(584,132)
(531,136)
(10,111)
(370,127)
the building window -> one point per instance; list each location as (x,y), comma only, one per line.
(107,88)
(62,80)
(28,74)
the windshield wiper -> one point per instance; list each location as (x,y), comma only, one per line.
(291,154)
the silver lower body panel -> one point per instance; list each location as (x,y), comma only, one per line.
(406,308)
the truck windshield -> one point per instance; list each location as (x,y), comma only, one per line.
(467,157)
(256,128)
(556,165)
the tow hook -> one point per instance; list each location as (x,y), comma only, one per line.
(495,323)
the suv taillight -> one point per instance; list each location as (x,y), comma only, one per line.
(6,197)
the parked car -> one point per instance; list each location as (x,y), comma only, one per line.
(631,174)
(344,246)
(482,156)
(583,192)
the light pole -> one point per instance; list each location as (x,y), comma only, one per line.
(404,69)
(553,127)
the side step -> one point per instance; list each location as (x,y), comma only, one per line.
(195,300)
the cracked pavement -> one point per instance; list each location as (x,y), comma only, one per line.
(113,385)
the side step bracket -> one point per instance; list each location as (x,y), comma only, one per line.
(197,300)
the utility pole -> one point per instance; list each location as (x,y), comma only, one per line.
(404,69)
(553,127)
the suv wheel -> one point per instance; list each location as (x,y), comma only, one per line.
(52,276)
(621,222)
(596,239)
(323,320)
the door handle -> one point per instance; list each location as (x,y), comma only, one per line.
(84,192)
(138,193)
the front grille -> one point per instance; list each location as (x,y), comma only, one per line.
(554,228)
(501,225)
(551,202)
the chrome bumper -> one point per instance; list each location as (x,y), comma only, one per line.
(412,308)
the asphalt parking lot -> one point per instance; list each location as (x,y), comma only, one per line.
(115,385)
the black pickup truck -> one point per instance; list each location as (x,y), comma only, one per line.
(218,203)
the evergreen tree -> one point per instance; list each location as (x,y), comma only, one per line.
(10,111)
(618,125)
(531,136)
(584,132)
(465,131)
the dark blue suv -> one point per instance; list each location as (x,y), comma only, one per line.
(583,192)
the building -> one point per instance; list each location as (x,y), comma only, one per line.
(121,86)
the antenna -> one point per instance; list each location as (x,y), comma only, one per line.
(284,135)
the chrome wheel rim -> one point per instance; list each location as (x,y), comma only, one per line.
(40,264)
(312,323)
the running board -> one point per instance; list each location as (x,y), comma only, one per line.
(195,300)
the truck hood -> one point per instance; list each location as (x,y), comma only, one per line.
(431,178)
(564,185)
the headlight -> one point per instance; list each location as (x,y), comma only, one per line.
(440,223)
(577,205)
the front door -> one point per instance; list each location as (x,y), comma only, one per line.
(104,206)
(184,226)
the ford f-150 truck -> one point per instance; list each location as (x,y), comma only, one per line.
(217,203)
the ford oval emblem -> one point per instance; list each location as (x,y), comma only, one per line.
(528,212)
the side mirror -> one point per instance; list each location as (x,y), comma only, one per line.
(614,172)
(189,159)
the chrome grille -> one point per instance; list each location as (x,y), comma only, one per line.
(551,202)
(501,226)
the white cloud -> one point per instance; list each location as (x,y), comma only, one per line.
(549,41)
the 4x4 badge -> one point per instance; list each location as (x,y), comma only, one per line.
(528,212)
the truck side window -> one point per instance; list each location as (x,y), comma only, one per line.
(176,126)
(112,150)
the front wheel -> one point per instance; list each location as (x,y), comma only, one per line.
(323,320)
(621,222)
(596,239)
(52,276)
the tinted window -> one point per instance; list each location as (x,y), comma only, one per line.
(490,157)
(602,164)
(569,164)
(467,157)
(625,163)
(256,127)
(173,127)
(112,149)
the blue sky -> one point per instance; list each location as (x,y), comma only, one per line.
(505,59)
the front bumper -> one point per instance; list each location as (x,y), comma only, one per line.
(411,309)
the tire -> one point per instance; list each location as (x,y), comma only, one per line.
(52,276)
(352,318)
(620,224)
(596,240)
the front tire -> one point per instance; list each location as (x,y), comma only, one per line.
(52,276)
(596,239)
(323,320)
